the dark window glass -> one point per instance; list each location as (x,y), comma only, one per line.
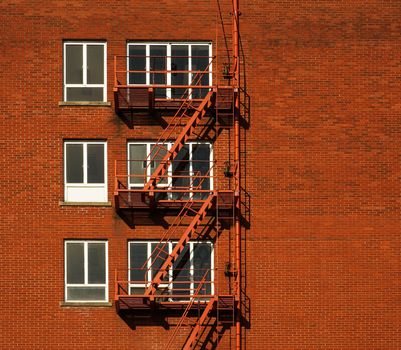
(181,168)
(158,64)
(74,63)
(179,62)
(96,263)
(182,273)
(137,61)
(86,293)
(202,264)
(75,263)
(159,255)
(95,154)
(95,64)
(84,94)
(200,61)
(137,164)
(138,256)
(157,154)
(200,167)
(75,158)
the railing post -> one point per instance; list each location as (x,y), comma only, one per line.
(115,285)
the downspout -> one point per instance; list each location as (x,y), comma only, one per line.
(236,85)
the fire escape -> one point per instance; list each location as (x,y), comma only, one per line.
(194,200)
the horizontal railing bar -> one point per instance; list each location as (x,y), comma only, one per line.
(163,71)
(167,56)
(170,190)
(164,86)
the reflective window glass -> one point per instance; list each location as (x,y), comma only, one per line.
(74,64)
(75,163)
(95,163)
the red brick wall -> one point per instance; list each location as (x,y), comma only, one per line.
(321,160)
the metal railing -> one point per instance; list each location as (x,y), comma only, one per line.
(189,181)
(180,285)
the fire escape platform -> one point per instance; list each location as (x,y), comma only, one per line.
(142,304)
(142,99)
(140,200)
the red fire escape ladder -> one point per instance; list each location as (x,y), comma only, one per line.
(179,247)
(193,337)
(184,318)
(185,133)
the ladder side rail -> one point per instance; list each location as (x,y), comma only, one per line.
(195,331)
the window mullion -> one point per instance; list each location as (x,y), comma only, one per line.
(168,51)
(149,272)
(147,64)
(84,64)
(191,170)
(85,162)
(191,266)
(86,262)
(170,175)
(210,65)
(190,75)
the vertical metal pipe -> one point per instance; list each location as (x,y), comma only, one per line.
(236,82)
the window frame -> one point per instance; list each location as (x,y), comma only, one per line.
(168,61)
(170,273)
(102,186)
(168,145)
(85,44)
(86,284)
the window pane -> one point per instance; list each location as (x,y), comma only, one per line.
(200,167)
(95,64)
(138,256)
(75,263)
(95,163)
(182,273)
(200,61)
(137,164)
(158,60)
(85,94)
(137,61)
(179,62)
(86,293)
(202,264)
(73,63)
(181,168)
(96,263)
(158,258)
(157,154)
(74,163)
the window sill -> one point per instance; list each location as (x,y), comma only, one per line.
(85,304)
(84,103)
(84,204)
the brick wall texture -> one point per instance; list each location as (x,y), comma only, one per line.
(320,159)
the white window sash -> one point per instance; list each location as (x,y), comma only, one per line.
(84,68)
(168,62)
(85,163)
(149,146)
(170,283)
(86,269)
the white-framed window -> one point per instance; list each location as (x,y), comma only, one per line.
(180,60)
(85,171)
(192,168)
(86,270)
(85,71)
(195,262)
